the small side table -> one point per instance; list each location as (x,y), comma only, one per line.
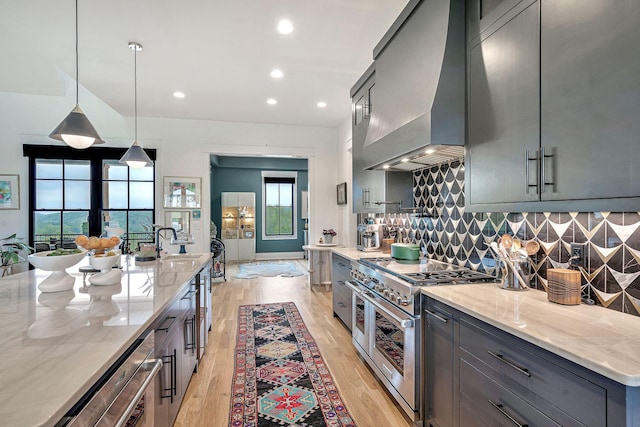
(319,265)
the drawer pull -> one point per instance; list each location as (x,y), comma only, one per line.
(437,316)
(499,407)
(501,358)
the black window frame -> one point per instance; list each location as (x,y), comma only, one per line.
(96,156)
(281,180)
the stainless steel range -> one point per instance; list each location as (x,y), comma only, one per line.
(386,318)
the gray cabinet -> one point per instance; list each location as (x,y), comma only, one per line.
(590,94)
(370,186)
(503,110)
(188,358)
(478,375)
(439,363)
(553,105)
(340,274)
(167,342)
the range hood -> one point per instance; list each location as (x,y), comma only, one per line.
(418,102)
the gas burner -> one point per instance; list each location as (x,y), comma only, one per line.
(448,276)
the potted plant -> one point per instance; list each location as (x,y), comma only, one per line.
(328,235)
(10,248)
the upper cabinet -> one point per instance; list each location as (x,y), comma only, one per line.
(371,186)
(553,98)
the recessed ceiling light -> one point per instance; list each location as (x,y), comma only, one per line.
(277,74)
(385,167)
(271,101)
(321,104)
(405,160)
(285,26)
(430,151)
(179,94)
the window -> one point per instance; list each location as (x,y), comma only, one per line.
(279,205)
(87,192)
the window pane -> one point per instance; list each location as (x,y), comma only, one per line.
(114,219)
(142,174)
(286,195)
(47,226)
(140,222)
(271,194)
(286,220)
(48,169)
(112,170)
(48,194)
(74,223)
(141,195)
(77,169)
(114,195)
(77,195)
(272,220)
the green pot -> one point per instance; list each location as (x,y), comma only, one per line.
(405,251)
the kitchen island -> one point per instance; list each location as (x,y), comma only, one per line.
(55,346)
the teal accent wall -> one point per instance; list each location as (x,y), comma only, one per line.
(231,174)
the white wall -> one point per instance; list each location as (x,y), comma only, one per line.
(345,212)
(183,150)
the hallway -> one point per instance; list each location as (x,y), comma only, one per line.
(207,400)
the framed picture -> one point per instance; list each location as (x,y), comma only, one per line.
(9,191)
(342,193)
(182,192)
(178,220)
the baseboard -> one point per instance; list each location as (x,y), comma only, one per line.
(279,255)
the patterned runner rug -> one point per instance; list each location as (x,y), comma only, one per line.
(280,378)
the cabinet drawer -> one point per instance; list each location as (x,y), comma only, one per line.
(494,404)
(508,357)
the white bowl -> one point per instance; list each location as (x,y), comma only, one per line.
(55,263)
(103,263)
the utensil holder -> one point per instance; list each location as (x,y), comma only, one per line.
(516,267)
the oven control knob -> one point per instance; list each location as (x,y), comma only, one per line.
(378,287)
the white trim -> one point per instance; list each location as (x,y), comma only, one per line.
(281,174)
(279,255)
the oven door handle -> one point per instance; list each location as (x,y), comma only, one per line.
(404,323)
(353,287)
(148,371)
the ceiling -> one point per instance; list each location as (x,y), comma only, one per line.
(218,52)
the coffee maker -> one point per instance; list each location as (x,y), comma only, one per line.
(369,237)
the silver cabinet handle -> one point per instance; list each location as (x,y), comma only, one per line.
(437,316)
(527,160)
(509,363)
(500,407)
(150,369)
(543,174)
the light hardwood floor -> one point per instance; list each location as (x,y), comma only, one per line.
(207,400)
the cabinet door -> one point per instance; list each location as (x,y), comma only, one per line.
(246,249)
(591,98)
(368,185)
(503,115)
(439,354)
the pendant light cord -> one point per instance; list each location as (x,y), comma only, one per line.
(135,93)
(77,73)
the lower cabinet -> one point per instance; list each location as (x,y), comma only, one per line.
(478,375)
(340,274)
(189,335)
(439,353)
(168,343)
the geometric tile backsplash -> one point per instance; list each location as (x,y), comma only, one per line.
(611,276)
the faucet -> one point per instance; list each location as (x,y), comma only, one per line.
(158,248)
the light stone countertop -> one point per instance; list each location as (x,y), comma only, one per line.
(602,340)
(55,346)
(354,254)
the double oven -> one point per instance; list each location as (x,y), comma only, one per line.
(386,327)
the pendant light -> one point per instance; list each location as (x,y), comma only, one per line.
(76,129)
(135,157)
